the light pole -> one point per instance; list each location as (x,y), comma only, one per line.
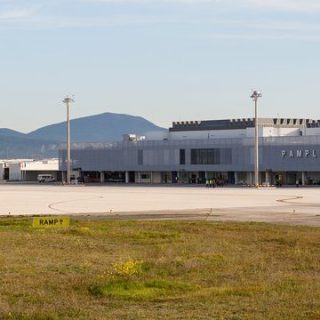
(67,100)
(255,96)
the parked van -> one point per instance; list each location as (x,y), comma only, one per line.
(42,178)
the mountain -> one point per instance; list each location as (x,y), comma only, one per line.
(101,127)
(5,132)
(21,146)
(46,141)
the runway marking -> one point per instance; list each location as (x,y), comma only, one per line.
(51,205)
(286,200)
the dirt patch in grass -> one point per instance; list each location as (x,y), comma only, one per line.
(158,270)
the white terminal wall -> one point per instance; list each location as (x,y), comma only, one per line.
(207,134)
(44,165)
(157,135)
(2,166)
(14,172)
(274,132)
(312,131)
(234,133)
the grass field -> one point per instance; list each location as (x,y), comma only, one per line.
(159,270)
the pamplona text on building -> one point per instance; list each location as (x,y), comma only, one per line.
(300,153)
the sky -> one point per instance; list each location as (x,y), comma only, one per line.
(164,60)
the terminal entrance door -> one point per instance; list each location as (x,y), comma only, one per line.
(166,177)
(131,177)
(183,177)
(202,177)
(279,179)
(174,177)
(6,174)
(291,178)
(231,178)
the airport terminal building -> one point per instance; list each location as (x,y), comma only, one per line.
(194,151)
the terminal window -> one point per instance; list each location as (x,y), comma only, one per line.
(211,156)
(140,157)
(182,156)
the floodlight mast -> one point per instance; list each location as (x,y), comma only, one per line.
(255,96)
(67,100)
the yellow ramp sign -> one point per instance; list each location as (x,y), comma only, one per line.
(51,222)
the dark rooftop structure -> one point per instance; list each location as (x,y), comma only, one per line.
(230,124)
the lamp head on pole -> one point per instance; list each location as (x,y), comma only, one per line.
(67,100)
(255,95)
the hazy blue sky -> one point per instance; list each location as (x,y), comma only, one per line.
(165,60)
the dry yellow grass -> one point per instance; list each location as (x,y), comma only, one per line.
(159,270)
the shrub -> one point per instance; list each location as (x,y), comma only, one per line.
(128,268)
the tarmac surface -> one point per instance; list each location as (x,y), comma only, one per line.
(300,206)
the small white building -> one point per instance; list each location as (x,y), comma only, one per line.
(28,169)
